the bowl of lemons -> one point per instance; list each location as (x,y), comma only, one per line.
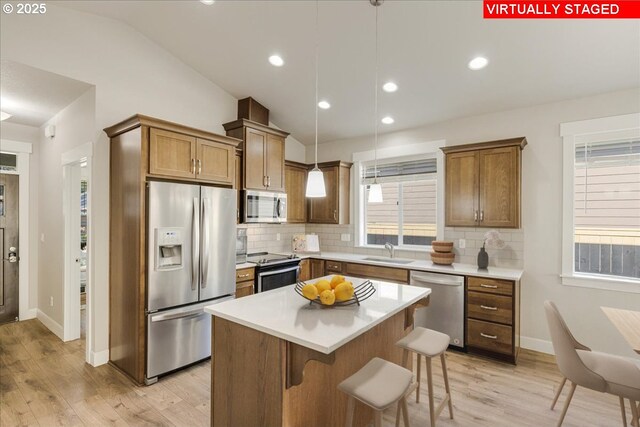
(335,291)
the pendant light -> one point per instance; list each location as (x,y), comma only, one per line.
(315,179)
(375,189)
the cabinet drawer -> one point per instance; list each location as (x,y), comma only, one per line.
(490,336)
(494,286)
(374,272)
(244,289)
(245,275)
(334,266)
(490,307)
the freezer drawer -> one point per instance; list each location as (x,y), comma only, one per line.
(445,312)
(178,337)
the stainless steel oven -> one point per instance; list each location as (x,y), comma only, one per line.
(274,271)
(264,206)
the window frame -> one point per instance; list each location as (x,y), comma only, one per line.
(407,152)
(579,132)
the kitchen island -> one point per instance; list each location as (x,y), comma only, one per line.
(277,360)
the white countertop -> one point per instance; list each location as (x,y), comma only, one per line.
(286,315)
(245,265)
(423,265)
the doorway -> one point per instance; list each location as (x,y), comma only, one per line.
(9,246)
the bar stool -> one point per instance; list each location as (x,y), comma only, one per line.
(378,384)
(430,344)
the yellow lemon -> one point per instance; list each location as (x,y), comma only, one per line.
(323,285)
(336,280)
(344,291)
(327,297)
(310,292)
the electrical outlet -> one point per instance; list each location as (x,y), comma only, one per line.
(462,243)
(345,237)
(50,301)
(277,236)
(42,238)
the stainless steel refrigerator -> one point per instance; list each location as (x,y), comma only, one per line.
(191,264)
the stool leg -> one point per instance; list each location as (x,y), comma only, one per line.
(555,399)
(398,413)
(405,358)
(351,408)
(405,412)
(378,420)
(419,370)
(624,414)
(432,409)
(634,413)
(566,404)
(445,375)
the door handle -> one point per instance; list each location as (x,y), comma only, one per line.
(491,337)
(485,307)
(199,166)
(475,215)
(481,215)
(335,214)
(268,181)
(264,181)
(205,245)
(482,285)
(195,244)
(193,166)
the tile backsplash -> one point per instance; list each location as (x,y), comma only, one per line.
(264,237)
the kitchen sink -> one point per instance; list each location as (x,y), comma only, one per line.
(391,260)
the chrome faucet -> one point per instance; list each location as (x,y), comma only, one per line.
(388,246)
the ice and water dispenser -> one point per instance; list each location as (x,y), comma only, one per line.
(168,248)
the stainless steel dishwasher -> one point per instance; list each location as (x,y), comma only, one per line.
(445,312)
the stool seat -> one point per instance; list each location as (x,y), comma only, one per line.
(378,384)
(425,341)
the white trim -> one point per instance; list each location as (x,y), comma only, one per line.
(31,313)
(536,344)
(71,220)
(601,129)
(51,324)
(99,358)
(16,146)
(76,154)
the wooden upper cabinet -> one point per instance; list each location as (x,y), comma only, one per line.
(274,162)
(255,176)
(172,154)
(295,179)
(334,208)
(483,186)
(215,162)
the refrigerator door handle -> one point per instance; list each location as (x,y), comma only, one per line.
(173,316)
(205,245)
(195,244)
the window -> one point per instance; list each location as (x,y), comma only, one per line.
(601,240)
(8,162)
(407,215)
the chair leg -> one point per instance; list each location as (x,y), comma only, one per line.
(398,413)
(635,413)
(445,375)
(378,419)
(419,369)
(566,404)
(624,414)
(432,409)
(351,408)
(405,358)
(555,399)
(405,412)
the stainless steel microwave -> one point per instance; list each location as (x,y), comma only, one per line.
(265,206)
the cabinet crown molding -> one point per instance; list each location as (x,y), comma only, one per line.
(138,120)
(511,142)
(254,125)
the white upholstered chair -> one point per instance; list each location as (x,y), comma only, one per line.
(602,372)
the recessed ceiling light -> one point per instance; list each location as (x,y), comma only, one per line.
(324,105)
(390,87)
(387,120)
(207,2)
(276,61)
(4,116)
(478,63)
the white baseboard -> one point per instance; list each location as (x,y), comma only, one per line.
(51,324)
(536,344)
(99,358)
(32,313)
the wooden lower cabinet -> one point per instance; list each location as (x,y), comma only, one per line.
(398,275)
(332,267)
(305,270)
(493,318)
(245,279)
(317,268)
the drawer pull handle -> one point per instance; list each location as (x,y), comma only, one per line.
(244,275)
(491,337)
(482,285)
(486,307)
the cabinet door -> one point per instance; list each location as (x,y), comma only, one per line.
(305,269)
(295,182)
(461,194)
(324,210)
(171,154)
(254,162)
(238,186)
(317,268)
(499,187)
(215,162)
(274,163)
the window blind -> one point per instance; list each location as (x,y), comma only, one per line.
(401,171)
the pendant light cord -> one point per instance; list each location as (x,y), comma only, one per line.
(375,118)
(316,106)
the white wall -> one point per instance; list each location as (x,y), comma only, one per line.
(30,134)
(131,75)
(541,206)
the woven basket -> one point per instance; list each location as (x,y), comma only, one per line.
(442,246)
(442,258)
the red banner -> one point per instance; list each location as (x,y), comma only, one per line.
(519,9)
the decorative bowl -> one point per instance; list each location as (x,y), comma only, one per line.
(360,293)
(442,258)
(442,246)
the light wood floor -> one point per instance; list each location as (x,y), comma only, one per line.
(46,382)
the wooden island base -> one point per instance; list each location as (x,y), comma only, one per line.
(262,380)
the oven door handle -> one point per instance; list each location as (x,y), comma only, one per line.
(284,270)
